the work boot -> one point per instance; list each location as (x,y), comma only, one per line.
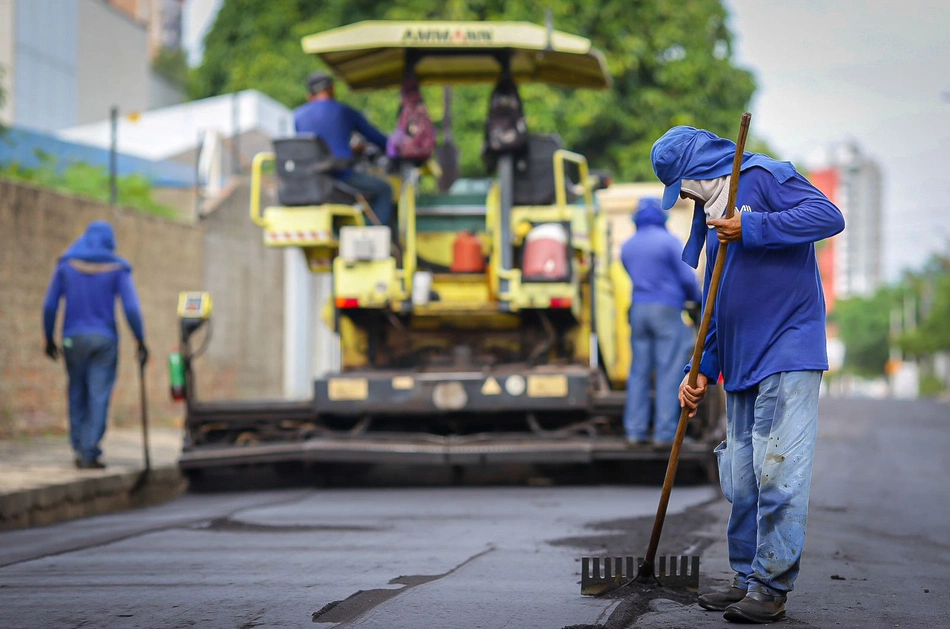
(757,608)
(91,464)
(635,443)
(719,601)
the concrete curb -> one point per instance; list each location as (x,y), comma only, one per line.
(88,497)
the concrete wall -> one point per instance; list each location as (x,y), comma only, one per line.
(112,66)
(223,254)
(35,227)
(246,283)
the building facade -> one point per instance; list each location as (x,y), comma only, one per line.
(162,18)
(852,262)
(68,62)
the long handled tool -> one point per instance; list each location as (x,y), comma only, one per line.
(143,476)
(682,572)
(646,571)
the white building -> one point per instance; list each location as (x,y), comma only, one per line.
(859,249)
(220,128)
(68,62)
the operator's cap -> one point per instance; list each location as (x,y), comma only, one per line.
(318,82)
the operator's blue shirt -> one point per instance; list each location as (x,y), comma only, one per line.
(652,258)
(770,311)
(334,123)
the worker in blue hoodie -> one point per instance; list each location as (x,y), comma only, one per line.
(660,341)
(767,339)
(90,276)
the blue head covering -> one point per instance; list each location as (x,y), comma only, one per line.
(97,244)
(690,153)
(649,213)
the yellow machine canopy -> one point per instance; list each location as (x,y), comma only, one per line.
(377,54)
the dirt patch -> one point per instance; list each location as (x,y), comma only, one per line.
(630,536)
(237,526)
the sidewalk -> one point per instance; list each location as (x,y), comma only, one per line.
(39,483)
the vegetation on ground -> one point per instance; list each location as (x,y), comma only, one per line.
(89,181)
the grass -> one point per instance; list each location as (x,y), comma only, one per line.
(91,182)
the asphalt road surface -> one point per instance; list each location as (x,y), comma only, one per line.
(423,554)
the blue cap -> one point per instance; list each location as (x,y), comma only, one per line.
(689,153)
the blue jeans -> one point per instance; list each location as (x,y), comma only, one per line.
(660,343)
(765,472)
(381,191)
(91,361)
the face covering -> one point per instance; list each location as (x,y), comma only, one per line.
(713,192)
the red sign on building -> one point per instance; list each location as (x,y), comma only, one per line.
(827,181)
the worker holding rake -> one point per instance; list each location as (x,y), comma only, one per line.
(767,339)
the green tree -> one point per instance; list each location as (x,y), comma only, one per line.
(930,289)
(864,325)
(172,64)
(671,63)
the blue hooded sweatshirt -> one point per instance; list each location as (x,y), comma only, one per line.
(90,275)
(652,260)
(770,311)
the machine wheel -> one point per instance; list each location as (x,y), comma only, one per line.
(195,478)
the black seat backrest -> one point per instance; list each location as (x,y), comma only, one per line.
(534,171)
(505,127)
(304,170)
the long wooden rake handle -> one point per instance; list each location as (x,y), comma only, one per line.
(647,568)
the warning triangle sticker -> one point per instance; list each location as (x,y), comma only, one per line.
(491,387)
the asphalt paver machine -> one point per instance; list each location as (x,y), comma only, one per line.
(486,324)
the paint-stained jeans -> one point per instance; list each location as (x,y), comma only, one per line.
(766,475)
(91,361)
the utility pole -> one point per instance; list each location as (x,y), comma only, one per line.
(113,156)
(235,133)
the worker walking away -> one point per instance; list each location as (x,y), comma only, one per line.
(660,340)
(333,122)
(90,276)
(767,339)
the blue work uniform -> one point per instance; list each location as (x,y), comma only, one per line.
(335,123)
(659,339)
(767,339)
(90,277)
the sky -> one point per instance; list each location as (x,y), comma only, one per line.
(873,71)
(197,18)
(876,72)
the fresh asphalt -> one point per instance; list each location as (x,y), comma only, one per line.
(420,554)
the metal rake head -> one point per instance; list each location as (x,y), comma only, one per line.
(676,573)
